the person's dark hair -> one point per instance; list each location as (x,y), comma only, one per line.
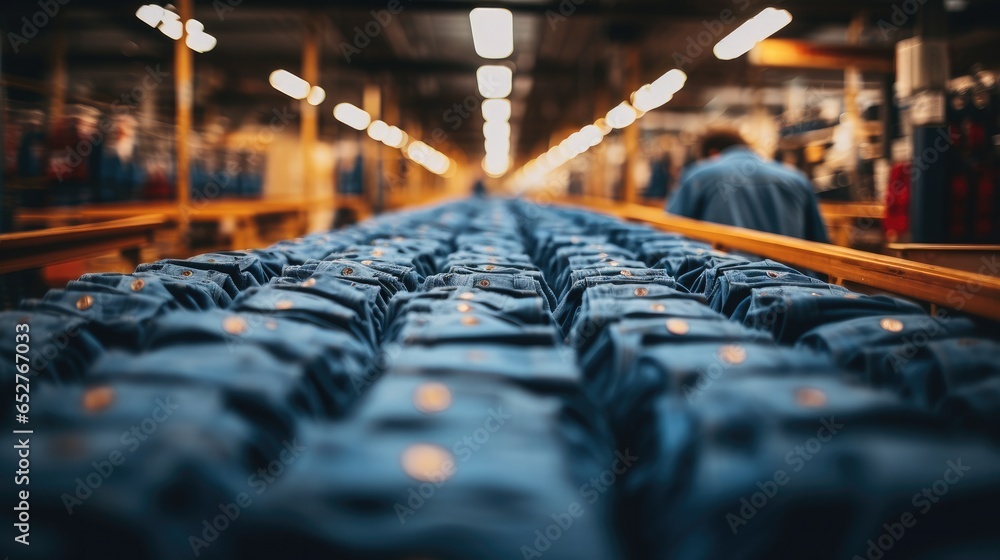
(714,141)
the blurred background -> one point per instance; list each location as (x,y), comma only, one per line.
(231,124)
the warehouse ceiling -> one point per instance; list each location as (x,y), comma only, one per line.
(569,55)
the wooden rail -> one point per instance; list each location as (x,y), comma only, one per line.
(40,248)
(973,293)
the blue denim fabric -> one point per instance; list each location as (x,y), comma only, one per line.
(596,312)
(310,308)
(788,312)
(850,343)
(60,348)
(514,285)
(352,271)
(364,299)
(826,437)
(244,268)
(525,310)
(239,370)
(472,327)
(334,361)
(116,320)
(190,293)
(974,407)
(733,287)
(657,250)
(527,470)
(689,268)
(500,270)
(145,460)
(196,277)
(926,373)
(566,312)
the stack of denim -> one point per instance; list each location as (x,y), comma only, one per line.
(497,379)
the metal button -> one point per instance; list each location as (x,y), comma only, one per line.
(234,325)
(810,397)
(348,271)
(138,284)
(658,307)
(891,325)
(98,398)
(489,267)
(84,303)
(283,304)
(466,296)
(641,292)
(773,274)
(367,263)
(428,463)
(679,327)
(187,273)
(432,397)
(211,260)
(614,263)
(309,283)
(469,321)
(733,354)
(625,273)
(464,308)
(484,283)
(377,253)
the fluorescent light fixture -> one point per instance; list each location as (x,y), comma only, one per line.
(316,96)
(492,32)
(669,83)
(495,82)
(621,116)
(289,84)
(756,29)
(496,110)
(193,26)
(394,137)
(172,28)
(377,130)
(150,14)
(496,129)
(200,42)
(496,165)
(350,115)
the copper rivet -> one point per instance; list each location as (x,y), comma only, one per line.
(98,398)
(625,273)
(284,304)
(489,267)
(772,274)
(464,308)
(602,255)
(810,397)
(427,463)
(467,296)
(211,260)
(469,321)
(614,263)
(187,273)
(891,325)
(732,354)
(84,302)
(309,283)
(367,263)
(641,292)
(658,307)
(234,325)
(484,283)
(348,271)
(678,327)
(432,397)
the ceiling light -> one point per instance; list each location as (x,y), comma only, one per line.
(494,81)
(669,83)
(193,26)
(172,28)
(377,130)
(592,135)
(150,14)
(496,165)
(496,129)
(496,110)
(753,31)
(621,116)
(350,115)
(289,84)
(316,96)
(394,137)
(492,32)
(200,42)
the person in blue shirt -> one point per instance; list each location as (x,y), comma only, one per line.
(733,185)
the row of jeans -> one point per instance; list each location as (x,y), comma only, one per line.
(498,379)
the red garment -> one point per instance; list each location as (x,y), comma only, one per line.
(896,222)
